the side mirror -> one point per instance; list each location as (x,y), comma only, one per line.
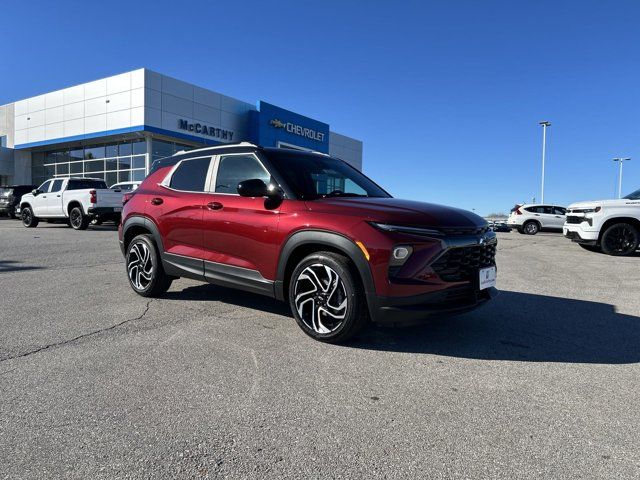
(35,192)
(253,188)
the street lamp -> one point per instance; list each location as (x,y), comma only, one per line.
(544,124)
(620,160)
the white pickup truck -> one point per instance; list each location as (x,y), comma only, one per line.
(610,226)
(77,201)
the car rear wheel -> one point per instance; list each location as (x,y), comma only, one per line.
(78,220)
(29,220)
(620,239)
(326,297)
(144,268)
(531,228)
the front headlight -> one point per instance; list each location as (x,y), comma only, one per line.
(586,210)
(387,227)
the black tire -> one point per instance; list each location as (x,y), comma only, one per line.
(29,220)
(620,239)
(346,298)
(520,230)
(77,219)
(591,248)
(531,227)
(145,273)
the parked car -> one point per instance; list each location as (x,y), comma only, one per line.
(125,186)
(306,228)
(500,227)
(10,198)
(612,226)
(76,200)
(532,218)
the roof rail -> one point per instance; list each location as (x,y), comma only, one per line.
(213,147)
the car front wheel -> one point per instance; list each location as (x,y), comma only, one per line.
(144,268)
(326,297)
(29,220)
(620,239)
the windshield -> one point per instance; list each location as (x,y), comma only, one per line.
(314,176)
(5,192)
(633,196)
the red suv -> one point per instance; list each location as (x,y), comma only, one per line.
(305,228)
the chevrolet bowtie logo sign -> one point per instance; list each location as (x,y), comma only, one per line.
(298,130)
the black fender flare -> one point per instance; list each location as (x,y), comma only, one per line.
(144,222)
(331,239)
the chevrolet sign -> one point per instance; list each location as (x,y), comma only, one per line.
(205,130)
(298,130)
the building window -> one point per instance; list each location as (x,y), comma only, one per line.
(3,141)
(113,162)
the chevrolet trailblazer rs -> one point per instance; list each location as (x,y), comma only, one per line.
(308,229)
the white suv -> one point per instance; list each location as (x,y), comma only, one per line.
(612,226)
(531,218)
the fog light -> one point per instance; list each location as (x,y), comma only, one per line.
(400,253)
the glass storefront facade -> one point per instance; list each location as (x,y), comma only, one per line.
(114,162)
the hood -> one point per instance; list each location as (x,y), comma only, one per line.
(397,211)
(604,203)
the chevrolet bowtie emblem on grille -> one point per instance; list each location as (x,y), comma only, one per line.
(276,123)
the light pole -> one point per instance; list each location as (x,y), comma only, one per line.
(544,124)
(620,160)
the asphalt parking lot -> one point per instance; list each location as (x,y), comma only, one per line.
(97,382)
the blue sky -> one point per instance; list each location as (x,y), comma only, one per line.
(446,96)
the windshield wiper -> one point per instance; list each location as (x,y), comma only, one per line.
(338,193)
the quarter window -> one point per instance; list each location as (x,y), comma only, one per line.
(234,169)
(191,175)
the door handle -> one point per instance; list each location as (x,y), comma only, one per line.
(156,201)
(58,196)
(214,206)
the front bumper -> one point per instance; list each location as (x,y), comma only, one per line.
(576,233)
(405,311)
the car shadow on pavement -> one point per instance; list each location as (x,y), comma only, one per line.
(521,327)
(208,292)
(13,266)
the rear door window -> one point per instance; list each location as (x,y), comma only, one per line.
(57,185)
(559,210)
(191,175)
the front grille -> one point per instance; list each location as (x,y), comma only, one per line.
(575,220)
(457,231)
(461,264)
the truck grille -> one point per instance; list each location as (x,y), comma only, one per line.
(575,220)
(461,264)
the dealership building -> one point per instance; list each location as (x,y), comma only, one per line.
(115,127)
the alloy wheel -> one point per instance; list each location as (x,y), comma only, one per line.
(320,298)
(139,266)
(76,218)
(531,228)
(621,239)
(26,217)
